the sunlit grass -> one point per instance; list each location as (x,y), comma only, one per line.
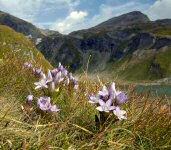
(148,125)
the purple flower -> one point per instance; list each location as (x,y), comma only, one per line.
(121,98)
(44,103)
(120,113)
(60,67)
(37,71)
(93,99)
(104,92)
(50,78)
(75,80)
(112,91)
(76,87)
(42,83)
(105,106)
(52,86)
(67,81)
(54,108)
(58,77)
(70,76)
(65,72)
(27,65)
(29,99)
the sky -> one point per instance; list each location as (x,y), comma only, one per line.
(66,16)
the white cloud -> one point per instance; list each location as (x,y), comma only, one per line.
(28,9)
(78,20)
(160,9)
(74,21)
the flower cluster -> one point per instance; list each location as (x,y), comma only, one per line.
(44,103)
(50,82)
(37,71)
(108,100)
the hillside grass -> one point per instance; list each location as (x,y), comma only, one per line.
(148,125)
(137,67)
(161,31)
(19,46)
(21,127)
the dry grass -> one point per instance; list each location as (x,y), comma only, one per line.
(148,125)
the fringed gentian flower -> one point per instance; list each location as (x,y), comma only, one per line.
(50,78)
(104,93)
(121,98)
(42,83)
(29,99)
(120,113)
(27,65)
(52,86)
(58,77)
(44,103)
(53,80)
(105,106)
(93,99)
(107,98)
(67,81)
(54,108)
(37,70)
(64,72)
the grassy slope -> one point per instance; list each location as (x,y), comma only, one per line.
(148,125)
(17,44)
(161,31)
(15,49)
(137,66)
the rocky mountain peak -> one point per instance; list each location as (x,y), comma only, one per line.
(124,21)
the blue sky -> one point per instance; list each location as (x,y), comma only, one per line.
(66,16)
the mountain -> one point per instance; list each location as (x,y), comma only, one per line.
(24,27)
(129,46)
(119,23)
(123,21)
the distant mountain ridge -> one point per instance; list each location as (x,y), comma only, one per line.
(121,22)
(24,27)
(129,46)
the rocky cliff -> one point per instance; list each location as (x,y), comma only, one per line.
(129,45)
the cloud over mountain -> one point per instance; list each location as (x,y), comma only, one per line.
(73,21)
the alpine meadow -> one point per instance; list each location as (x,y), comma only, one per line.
(87,82)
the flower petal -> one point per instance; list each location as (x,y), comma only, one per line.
(112,108)
(109,102)
(100,108)
(101,102)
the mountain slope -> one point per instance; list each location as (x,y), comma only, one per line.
(15,50)
(24,27)
(111,43)
(114,43)
(123,21)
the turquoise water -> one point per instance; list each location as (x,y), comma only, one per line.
(155,90)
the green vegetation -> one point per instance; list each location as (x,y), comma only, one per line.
(138,67)
(16,44)
(161,31)
(148,125)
